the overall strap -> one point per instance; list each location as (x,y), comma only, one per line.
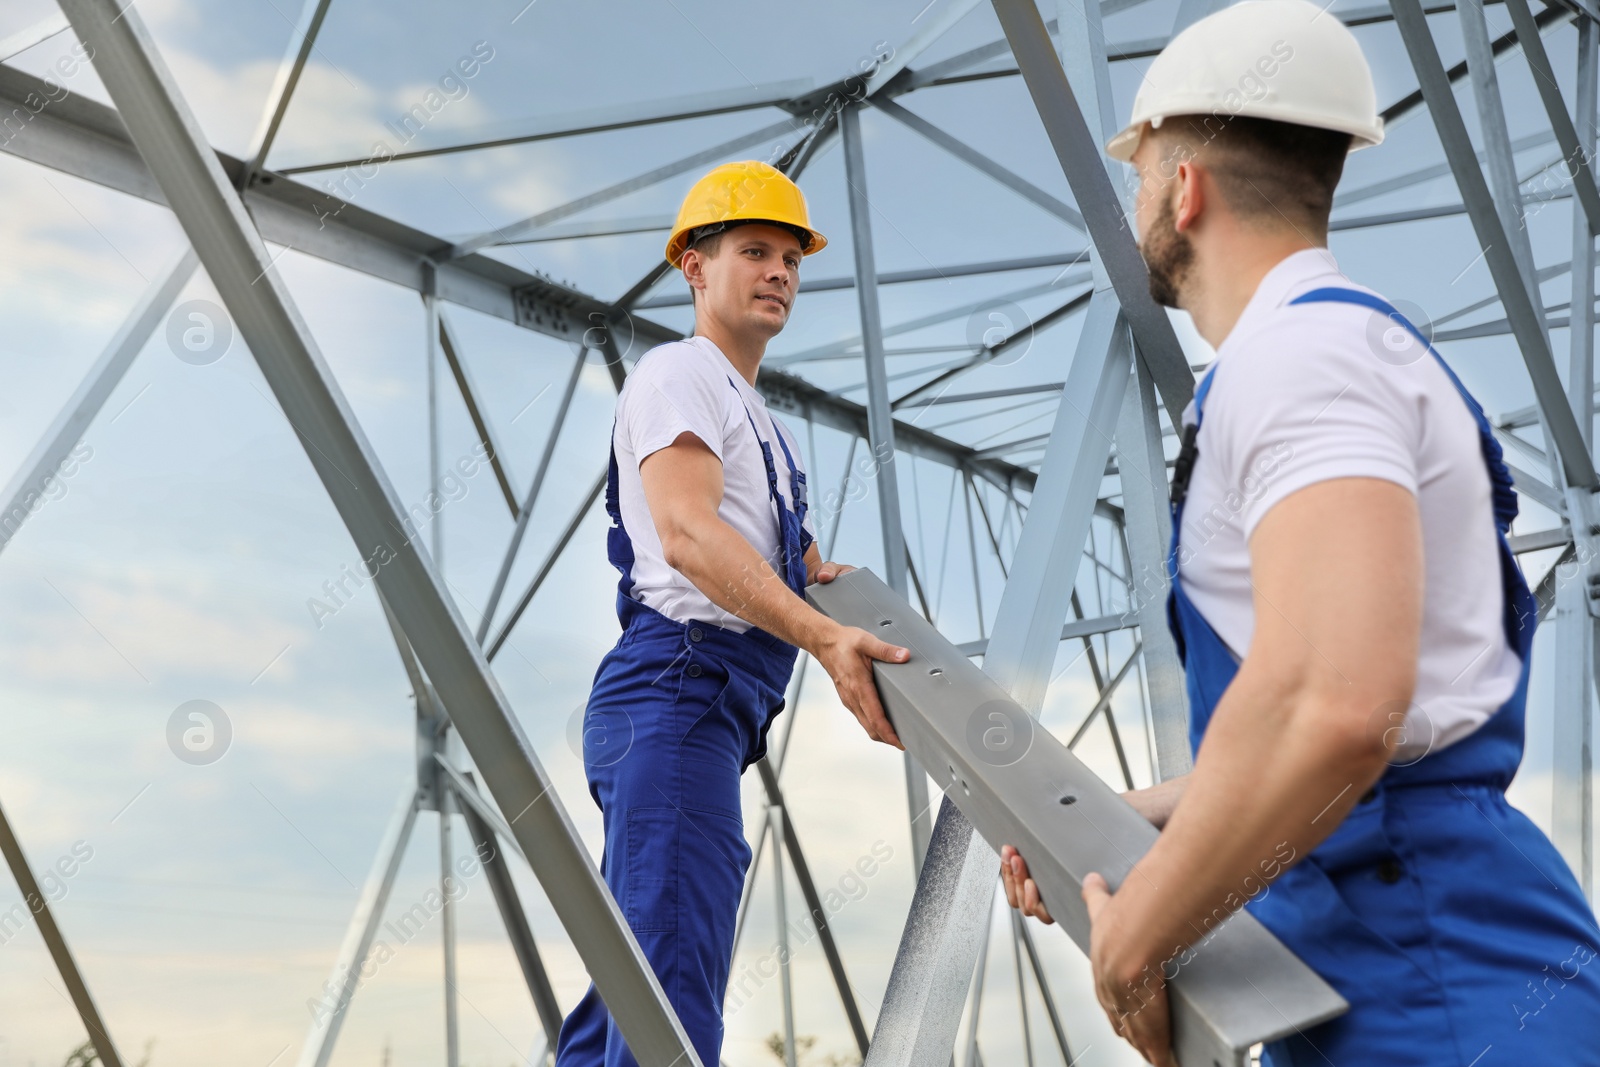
(797,485)
(1504,492)
(613,502)
(1189,448)
(766,451)
(619,546)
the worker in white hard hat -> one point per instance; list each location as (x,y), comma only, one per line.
(711,534)
(1355,630)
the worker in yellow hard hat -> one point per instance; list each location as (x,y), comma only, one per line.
(711,535)
(1355,629)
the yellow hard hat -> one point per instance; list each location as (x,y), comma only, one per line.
(750,191)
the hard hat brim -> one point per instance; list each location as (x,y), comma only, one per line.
(1126,143)
(678,243)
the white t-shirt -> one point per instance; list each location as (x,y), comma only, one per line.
(683,387)
(1327,390)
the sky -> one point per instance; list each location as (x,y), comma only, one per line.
(179,560)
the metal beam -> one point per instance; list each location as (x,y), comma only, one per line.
(1439,211)
(237,259)
(849,348)
(592,120)
(1021,333)
(1412,101)
(781,921)
(1345,197)
(480,419)
(28,486)
(1572,764)
(935,962)
(1520,311)
(880,428)
(447,926)
(978,161)
(949,71)
(1495,134)
(1025,936)
(584,228)
(880,435)
(1082,162)
(525,512)
(39,906)
(582,512)
(32,36)
(86,139)
(947,16)
(1072,631)
(312,13)
(1544,79)
(1142,470)
(984,394)
(1022,990)
(1021,785)
(819,914)
(714,154)
(341,985)
(518,930)
(898,277)
(1022,646)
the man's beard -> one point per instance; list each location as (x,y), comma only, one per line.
(1168,255)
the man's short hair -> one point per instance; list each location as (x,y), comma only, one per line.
(1268,171)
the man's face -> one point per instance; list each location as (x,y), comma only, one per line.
(1168,254)
(750,283)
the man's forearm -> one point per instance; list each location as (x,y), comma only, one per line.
(735,577)
(1271,782)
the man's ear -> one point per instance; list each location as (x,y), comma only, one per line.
(694,269)
(1191,195)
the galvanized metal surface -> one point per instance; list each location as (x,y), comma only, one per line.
(1020,785)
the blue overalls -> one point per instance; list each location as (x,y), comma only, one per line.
(677,712)
(1442,914)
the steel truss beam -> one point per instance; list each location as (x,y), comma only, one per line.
(86,139)
(39,905)
(1520,311)
(716,153)
(312,15)
(1572,817)
(236,258)
(923,274)
(977,160)
(31,481)
(880,429)
(1241,986)
(593,120)
(451,350)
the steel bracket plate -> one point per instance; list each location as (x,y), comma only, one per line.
(1013,779)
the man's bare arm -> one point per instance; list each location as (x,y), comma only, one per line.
(1298,737)
(683,488)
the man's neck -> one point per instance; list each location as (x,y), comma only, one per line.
(1223,281)
(744,353)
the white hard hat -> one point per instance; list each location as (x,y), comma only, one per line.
(1286,60)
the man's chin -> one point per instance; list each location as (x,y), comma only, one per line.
(766,322)
(1164,295)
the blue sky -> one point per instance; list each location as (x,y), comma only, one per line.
(178,564)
